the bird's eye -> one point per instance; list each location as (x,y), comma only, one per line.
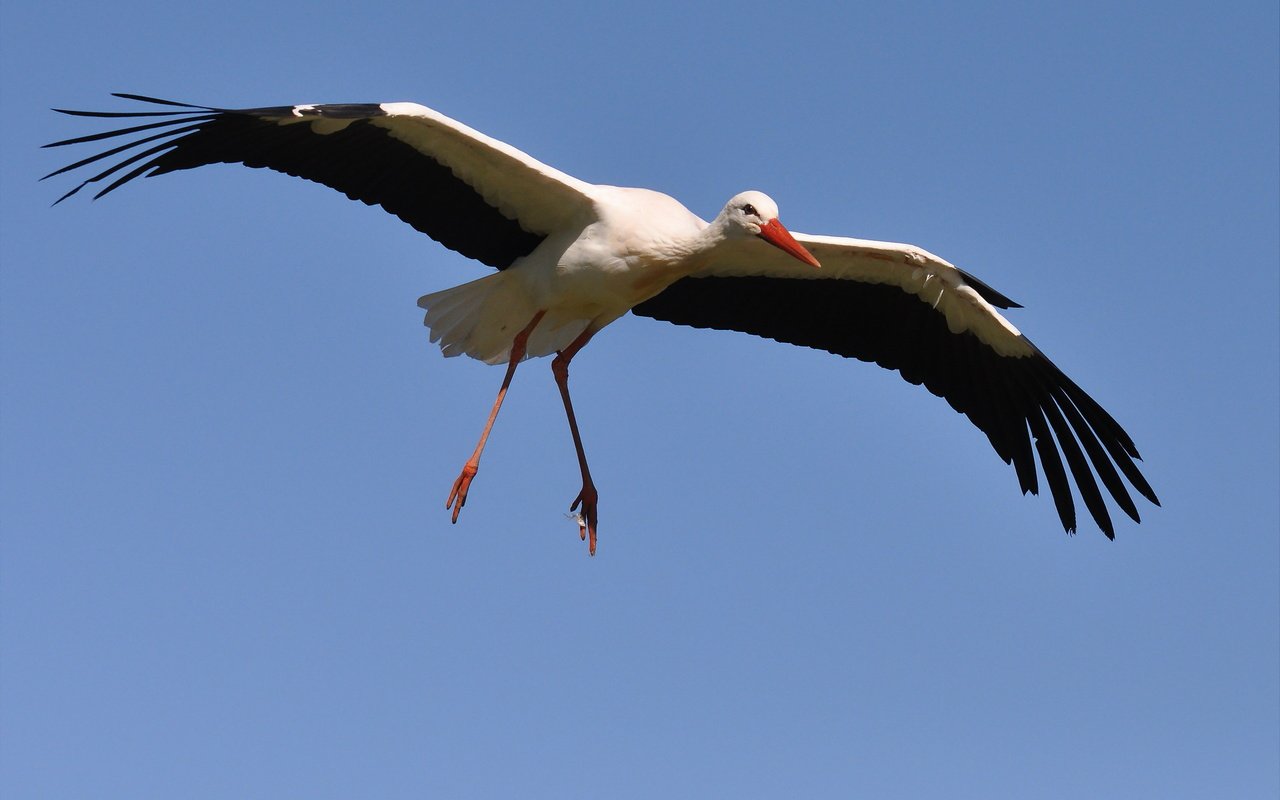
(750,209)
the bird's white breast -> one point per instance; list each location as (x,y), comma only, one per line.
(638,244)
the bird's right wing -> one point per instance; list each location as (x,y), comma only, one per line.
(907,310)
(470,192)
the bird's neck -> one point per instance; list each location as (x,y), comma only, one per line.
(692,252)
(720,236)
(678,252)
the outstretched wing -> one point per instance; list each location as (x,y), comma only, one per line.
(908,310)
(473,194)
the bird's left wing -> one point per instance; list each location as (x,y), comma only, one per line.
(472,193)
(907,310)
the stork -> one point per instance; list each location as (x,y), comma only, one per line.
(573,257)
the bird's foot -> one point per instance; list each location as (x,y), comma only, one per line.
(460,487)
(587,516)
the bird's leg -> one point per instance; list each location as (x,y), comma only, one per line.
(588,496)
(463,483)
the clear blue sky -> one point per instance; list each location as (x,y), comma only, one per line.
(227,570)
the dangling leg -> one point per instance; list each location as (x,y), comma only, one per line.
(587,497)
(469,469)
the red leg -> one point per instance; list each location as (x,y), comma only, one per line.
(463,483)
(588,496)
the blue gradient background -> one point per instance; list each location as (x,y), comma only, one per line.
(225,441)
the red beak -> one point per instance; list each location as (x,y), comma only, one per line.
(778,236)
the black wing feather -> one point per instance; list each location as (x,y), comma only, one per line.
(1026,406)
(362,160)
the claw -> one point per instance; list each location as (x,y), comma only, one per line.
(587,498)
(459,491)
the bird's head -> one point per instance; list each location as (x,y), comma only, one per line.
(755,214)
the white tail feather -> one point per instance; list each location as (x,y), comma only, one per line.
(481,319)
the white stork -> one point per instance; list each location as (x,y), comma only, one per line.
(573,257)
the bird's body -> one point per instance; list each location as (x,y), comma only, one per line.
(574,256)
(591,272)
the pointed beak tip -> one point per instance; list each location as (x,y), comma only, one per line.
(775,234)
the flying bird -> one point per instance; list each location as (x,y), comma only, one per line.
(574,256)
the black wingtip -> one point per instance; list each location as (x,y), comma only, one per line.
(995,298)
(68,194)
(1108,530)
(142,98)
